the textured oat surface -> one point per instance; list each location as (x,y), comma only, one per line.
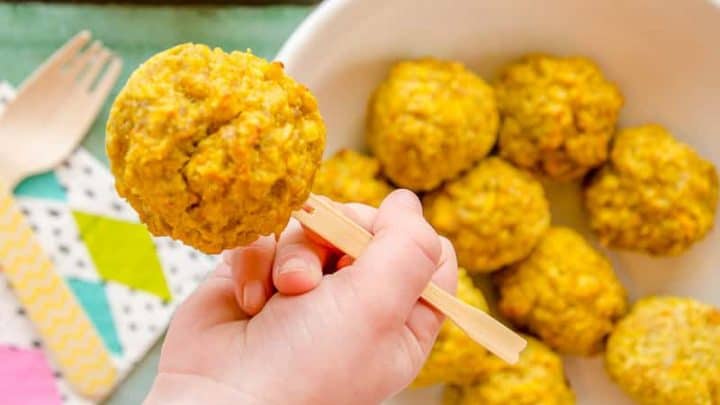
(656,194)
(212,148)
(558,115)
(667,352)
(565,292)
(350,176)
(537,379)
(429,120)
(494,214)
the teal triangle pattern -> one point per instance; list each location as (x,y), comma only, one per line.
(93,299)
(45,186)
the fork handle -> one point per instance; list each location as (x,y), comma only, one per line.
(63,325)
(10,175)
(335,227)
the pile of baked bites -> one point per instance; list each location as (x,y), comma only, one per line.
(476,153)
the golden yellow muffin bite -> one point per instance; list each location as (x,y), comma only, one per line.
(429,120)
(455,358)
(214,148)
(565,292)
(494,214)
(656,195)
(537,379)
(666,351)
(557,115)
(350,176)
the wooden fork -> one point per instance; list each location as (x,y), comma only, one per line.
(54,108)
(50,114)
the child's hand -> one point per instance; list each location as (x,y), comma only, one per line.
(356,336)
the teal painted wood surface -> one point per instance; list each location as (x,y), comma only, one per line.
(30,32)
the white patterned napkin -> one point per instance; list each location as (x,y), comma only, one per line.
(127,281)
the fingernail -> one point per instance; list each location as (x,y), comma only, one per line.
(405,198)
(293,265)
(253,294)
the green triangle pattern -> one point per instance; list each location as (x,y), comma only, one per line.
(124,252)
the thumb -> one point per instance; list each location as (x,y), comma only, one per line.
(399,261)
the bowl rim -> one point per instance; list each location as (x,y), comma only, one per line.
(327,10)
(301,36)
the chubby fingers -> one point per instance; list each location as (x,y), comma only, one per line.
(293,265)
(361,214)
(299,261)
(251,271)
(402,257)
(424,321)
(214,302)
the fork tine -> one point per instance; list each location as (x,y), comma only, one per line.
(94,67)
(59,58)
(76,65)
(108,79)
(90,103)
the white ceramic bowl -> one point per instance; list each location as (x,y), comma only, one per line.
(665,57)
